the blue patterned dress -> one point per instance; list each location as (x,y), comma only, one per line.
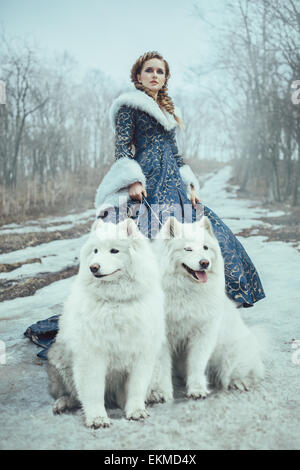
(157,154)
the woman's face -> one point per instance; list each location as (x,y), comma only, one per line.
(153,74)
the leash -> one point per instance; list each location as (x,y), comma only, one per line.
(144,201)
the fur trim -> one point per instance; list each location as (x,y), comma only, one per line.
(140,100)
(113,190)
(189,178)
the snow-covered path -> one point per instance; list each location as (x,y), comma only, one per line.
(265,418)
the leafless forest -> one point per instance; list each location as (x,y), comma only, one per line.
(54,131)
(260,54)
(55,137)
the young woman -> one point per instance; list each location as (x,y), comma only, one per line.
(150,181)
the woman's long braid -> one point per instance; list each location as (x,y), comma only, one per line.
(163,99)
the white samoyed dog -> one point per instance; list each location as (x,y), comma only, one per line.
(112,327)
(208,339)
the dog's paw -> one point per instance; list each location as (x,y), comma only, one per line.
(98,422)
(140,413)
(198,393)
(243,385)
(60,405)
(159,396)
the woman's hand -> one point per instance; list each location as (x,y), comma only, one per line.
(194,197)
(136,191)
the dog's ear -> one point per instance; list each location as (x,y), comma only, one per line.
(171,229)
(206,225)
(131,229)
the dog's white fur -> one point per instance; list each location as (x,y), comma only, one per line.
(112,328)
(207,337)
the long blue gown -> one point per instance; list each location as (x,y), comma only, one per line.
(157,154)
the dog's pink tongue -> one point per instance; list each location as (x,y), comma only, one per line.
(201,275)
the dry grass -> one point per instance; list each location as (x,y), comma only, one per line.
(66,192)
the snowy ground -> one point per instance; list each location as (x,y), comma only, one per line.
(265,418)
(59,223)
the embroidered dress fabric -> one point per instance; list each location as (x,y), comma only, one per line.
(157,154)
(145,141)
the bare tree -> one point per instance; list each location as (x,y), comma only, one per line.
(18,72)
(54,129)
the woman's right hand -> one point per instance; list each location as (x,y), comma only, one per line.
(136,191)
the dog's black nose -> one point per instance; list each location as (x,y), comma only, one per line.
(204,263)
(94,268)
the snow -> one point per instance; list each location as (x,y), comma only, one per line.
(42,225)
(268,417)
(54,256)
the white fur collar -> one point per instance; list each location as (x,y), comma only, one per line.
(140,100)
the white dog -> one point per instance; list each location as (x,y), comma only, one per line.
(207,336)
(112,327)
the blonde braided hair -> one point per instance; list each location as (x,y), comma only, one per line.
(163,99)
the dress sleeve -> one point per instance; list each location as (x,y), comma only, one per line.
(178,158)
(125,128)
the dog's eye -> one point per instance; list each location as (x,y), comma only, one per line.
(95,250)
(188,248)
(205,247)
(113,250)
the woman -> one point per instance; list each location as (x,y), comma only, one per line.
(150,181)
(146,119)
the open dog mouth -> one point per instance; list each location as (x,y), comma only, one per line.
(105,275)
(200,276)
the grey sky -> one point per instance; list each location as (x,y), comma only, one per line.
(112,34)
